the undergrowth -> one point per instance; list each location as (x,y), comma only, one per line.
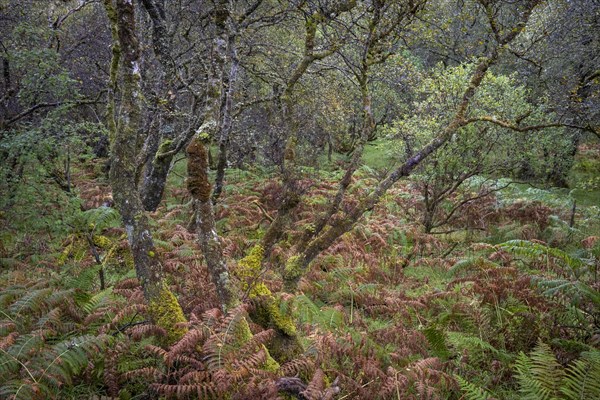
(505,305)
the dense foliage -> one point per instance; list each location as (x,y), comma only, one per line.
(382,199)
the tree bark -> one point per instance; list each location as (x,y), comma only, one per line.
(226,118)
(161,151)
(164,308)
(199,184)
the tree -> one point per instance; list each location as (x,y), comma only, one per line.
(478,149)
(163,306)
(319,241)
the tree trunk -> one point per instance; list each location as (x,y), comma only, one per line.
(199,184)
(163,306)
(226,119)
(200,188)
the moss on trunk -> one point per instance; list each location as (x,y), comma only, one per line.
(198,182)
(267,311)
(165,311)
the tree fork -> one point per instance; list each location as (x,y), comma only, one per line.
(163,305)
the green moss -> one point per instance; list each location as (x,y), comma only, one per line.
(292,272)
(164,147)
(270,364)
(242,334)
(248,271)
(102,241)
(267,312)
(166,312)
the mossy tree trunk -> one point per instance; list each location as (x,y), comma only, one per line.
(160,143)
(164,308)
(290,170)
(226,116)
(199,184)
(371,55)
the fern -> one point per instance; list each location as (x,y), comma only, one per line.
(97,219)
(472,391)
(576,291)
(542,377)
(437,342)
(537,250)
(583,378)
(473,343)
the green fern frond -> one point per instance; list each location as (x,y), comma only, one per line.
(538,250)
(70,357)
(582,379)
(185,251)
(8,295)
(98,219)
(576,291)
(163,244)
(96,301)
(473,343)
(437,342)
(31,302)
(306,310)
(530,388)
(539,375)
(86,280)
(472,391)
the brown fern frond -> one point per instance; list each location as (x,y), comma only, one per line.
(316,386)
(110,374)
(131,283)
(96,316)
(131,309)
(157,351)
(223,380)
(9,340)
(188,342)
(210,317)
(303,364)
(148,373)
(256,342)
(425,391)
(186,360)
(139,332)
(7,327)
(427,363)
(194,377)
(395,384)
(245,364)
(179,391)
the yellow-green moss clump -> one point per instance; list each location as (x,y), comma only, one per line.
(267,312)
(166,312)
(292,272)
(248,271)
(242,335)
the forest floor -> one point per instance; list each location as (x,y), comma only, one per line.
(508,306)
